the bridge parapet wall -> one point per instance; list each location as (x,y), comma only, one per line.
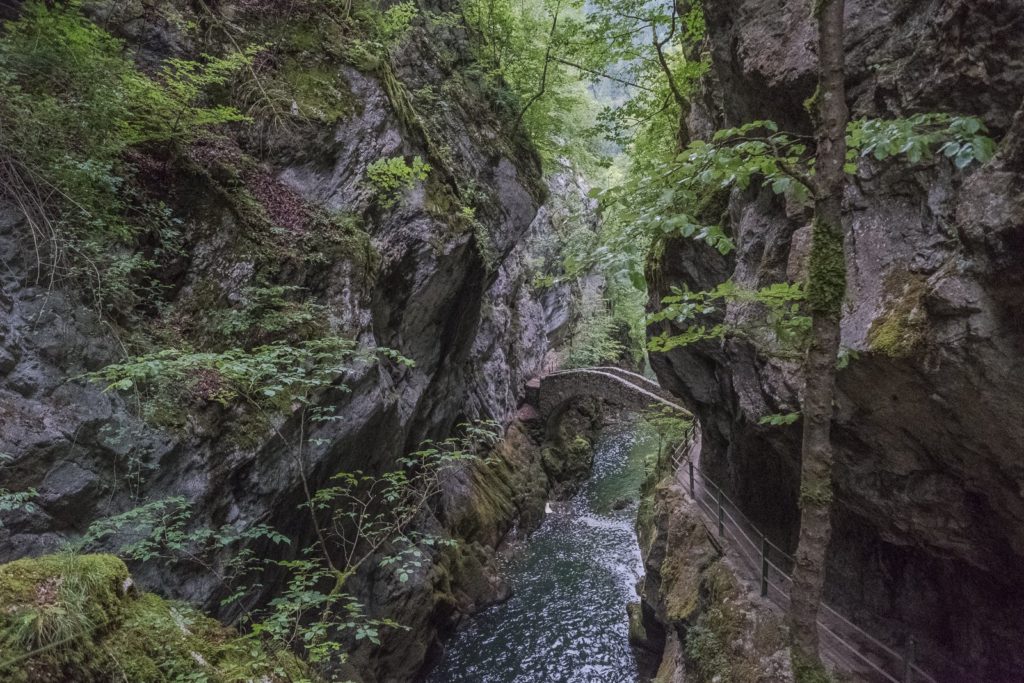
(620,389)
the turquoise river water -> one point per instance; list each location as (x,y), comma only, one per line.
(571,581)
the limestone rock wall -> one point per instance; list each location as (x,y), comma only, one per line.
(929,413)
(452,294)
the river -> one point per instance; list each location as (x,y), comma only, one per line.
(571,580)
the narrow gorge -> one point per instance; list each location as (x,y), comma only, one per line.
(571,341)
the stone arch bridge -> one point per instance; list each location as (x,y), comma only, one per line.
(550,394)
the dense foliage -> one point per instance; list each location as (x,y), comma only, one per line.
(524,48)
(360,519)
(71,105)
(601,87)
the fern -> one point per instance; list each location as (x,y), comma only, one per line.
(390,177)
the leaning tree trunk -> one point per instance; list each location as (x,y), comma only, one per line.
(825,293)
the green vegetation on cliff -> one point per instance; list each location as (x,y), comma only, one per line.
(713,630)
(79,618)
(73,106)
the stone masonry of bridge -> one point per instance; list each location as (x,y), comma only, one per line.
(551,394)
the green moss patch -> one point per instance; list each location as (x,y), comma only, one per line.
(76,618)
(728,642)
(901,329)
(161,640)
(809,671)
(826,280)
(54,610)
(319,90)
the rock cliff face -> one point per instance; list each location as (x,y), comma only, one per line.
(929,412)
(447,287)
(696,620)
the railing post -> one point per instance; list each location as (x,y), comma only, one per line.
(908,661)
(692,493)
(721,513)
(764,566)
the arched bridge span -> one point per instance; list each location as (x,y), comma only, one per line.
(551,393)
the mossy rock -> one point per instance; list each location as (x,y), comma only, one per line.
(248,430)
(342,236)
(809,671)
(692,577)
(320,91)
(579,446)
(637,630)
(645,521)
(55,610)
(681,592)
(489,506)
(730,641)
(160,640)
(76,618)
(902,329)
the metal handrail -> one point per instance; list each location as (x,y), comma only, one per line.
(622,371)
(732,527)
(740,548)
(740,513)
(622,380)
(864,633)
(778,569)
(740,529)
(856,653)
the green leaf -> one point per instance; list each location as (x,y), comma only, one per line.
(984,148)
(964,157)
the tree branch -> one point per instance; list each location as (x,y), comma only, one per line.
(547,65)
(603,74)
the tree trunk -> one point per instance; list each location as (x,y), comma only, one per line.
(826,290)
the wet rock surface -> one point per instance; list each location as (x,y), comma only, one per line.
(696,621)
(929,411)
